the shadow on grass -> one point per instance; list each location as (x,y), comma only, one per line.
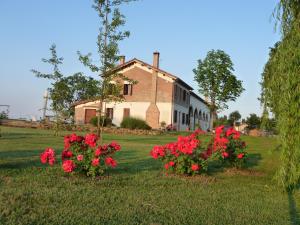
(20,164)
(132,163)
(19,154)
(294,214)
(218,167)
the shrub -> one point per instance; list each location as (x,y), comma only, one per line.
(183,156)
(187,156)
(82,155)
(107,121)
(229,146)
(135,123)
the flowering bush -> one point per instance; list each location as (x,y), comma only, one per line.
(230,147)
(81,154)
(183,156)
(187,156)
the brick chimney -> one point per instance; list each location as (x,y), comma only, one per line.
(153,113)
(122,59)
(156,59)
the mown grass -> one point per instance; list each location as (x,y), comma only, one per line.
(138,191)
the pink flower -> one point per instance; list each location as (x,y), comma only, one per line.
(91,140)
(166,166)
(240,156)
(235,134)
(48,156)
(157,151)
(195,167)
(219,130)
(98,151)
(66,154)
(95,162)
(80,157)
(225,154)
(115,146)
(68,166)
(73,138)
(171,163)
(109,161)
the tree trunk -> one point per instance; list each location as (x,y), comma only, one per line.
(212,119)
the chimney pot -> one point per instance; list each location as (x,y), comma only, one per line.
(122,59)
(156,59)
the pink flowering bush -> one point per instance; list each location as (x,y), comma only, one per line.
(183,156)
(83,155)
(187,156)
(229,146)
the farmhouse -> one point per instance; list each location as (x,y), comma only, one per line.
(157,97)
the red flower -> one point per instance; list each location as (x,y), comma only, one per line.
(109,161)
(98,151)
(91,140)
(232,131)
(67,141)
(115,146)
(68,166)
(195,167)
(80,157)
(225,154)
(73,138)
(157,151)
(166,166)
(66,154)
(95,162)
(48,156)
(219,130)
(240,156)
(171,163)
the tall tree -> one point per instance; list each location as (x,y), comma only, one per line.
(111,20)
(281,90)
(234,117)
(216,81)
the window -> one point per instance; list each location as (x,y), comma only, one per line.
(183,118)
(175,92)
(184,95)
(110,113)
(127,89)
(187,119)
(175,116)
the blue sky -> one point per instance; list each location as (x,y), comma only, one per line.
(182,31)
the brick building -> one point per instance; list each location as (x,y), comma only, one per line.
(157,97)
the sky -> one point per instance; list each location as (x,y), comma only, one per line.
(182,31)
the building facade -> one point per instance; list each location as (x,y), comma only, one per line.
(157,97)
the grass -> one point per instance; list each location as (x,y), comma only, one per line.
(137,192)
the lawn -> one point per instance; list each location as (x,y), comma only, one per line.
(138,191)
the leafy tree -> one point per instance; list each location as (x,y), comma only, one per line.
(281,90)
(65,91)
(111,20)
(234,117)
(253,121)
(216,81)
(3,115)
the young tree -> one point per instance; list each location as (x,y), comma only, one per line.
(281,91)
(216,81)
(111,20)
(65,91)
(234,117)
